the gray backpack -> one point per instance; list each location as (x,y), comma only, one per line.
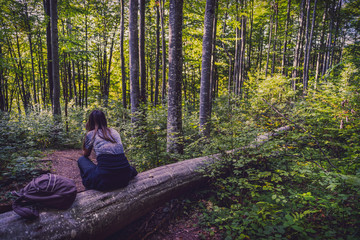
(47,190)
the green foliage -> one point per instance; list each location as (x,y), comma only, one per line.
(270,193)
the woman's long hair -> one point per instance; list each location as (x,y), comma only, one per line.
(97,120)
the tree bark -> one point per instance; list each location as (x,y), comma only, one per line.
(142,52)
(276,17)
(329,40)
(308,47)
(242,54)
(174,120)
(55,59)
(284,58)
(48,46)
(157,60)
(206,69)
(27,22)
(122,56)
(295,71)
(269,44)
(134,59)
(163,51)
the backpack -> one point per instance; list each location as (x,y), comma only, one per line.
(48,190)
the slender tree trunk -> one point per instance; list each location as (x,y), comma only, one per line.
(163,50)
(27,22)
(206,69)
(338,21)
(157,61)
(142,53)
(122,56)
(49,52)
(321,50)
(174,121)
(107,79)
(242,54)
(269,44)
(275,38)
(250,35)
(213,70)
(259,58)
(55,59)
(134,59)
(329,40)
(2,85)
(295,72)
(74,82)
(236,56)
(79,84)
(306,43)
(308,46)
(284,58)
(20,76)
(87,60)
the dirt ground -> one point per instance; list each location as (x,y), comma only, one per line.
(169,222)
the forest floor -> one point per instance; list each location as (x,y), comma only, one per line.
(169,222)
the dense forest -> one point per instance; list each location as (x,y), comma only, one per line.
(182,79)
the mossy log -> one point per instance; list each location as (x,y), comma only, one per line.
(96,215)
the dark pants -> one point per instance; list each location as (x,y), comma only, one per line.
(95,178)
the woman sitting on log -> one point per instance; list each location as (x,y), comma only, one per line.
(113,169)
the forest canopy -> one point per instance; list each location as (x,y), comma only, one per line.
(181,79)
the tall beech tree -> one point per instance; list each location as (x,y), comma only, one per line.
(122,55)
(163,49)
(308,45)
(174,120)
(134,58)
(48,47)
(55,58)
(284,56)
(142,52)
(297,51)
(206,69)
(157,60)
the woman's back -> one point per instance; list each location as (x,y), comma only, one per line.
(102,146)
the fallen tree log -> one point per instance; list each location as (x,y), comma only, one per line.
(96,215)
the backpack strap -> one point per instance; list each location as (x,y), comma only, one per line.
(25,208)
(51,184)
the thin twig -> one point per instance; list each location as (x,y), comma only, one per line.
(316,141)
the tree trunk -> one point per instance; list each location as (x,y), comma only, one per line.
(269,44)
(134,58)
(284,58)
(338,20)
(321,50)
(206,69)
(55,59)
(276,16)
(329,40)
(163,51)
(295,71)
(157,61)
(122,56)
(97,215)
(308,45)
(174,120)
(49,52)
(142,53)
(87,61)
(242,54)
(250,35)
(3,103)
(27,22)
